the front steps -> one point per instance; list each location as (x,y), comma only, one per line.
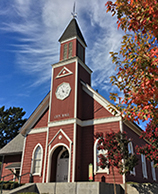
(85,188)
(68,188)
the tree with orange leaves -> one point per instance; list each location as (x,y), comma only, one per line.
(137,63)
(137,75)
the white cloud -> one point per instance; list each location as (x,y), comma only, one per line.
(39,24)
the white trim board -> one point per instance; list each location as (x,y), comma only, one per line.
(38,130)
(86,122)
(72,60)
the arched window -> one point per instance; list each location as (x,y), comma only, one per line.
(98,169)
(37,160)
(130,150)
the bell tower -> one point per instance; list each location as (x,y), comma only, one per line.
(67,73)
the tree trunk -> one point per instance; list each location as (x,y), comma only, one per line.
(114,180)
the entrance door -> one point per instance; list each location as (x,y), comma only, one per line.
(62,166)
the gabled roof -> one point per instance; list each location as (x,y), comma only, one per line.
(15,146)
(72,31)
(110,107)
(41,108)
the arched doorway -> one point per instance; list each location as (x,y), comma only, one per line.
(60,165)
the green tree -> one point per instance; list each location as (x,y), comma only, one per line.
(10,122)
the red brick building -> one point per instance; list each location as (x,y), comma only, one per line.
(57,142)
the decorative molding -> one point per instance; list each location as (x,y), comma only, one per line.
(60,131)
(64,72)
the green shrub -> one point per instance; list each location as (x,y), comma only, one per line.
(14,185)
(7,185)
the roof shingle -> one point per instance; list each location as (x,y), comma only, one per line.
(15,146)
(71,31)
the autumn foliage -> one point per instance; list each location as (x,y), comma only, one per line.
(117,155)
(137,60)
(150,150)
(137,67)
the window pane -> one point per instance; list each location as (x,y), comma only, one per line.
(38,153)
(37,160)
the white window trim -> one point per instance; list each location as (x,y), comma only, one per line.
(144,169)
(105,170)
(130,150)
(153,171)
(33,155)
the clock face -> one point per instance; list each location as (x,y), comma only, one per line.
(63,91)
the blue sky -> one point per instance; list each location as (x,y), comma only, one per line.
(29,33)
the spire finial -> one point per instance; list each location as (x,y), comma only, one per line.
(74,14)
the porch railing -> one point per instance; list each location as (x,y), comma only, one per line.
(13,179)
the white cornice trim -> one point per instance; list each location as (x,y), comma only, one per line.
(86,122)
(101,100)
(72,60)
(77,121)
(65,62)
(38,130)
(100,121)
(61,122)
